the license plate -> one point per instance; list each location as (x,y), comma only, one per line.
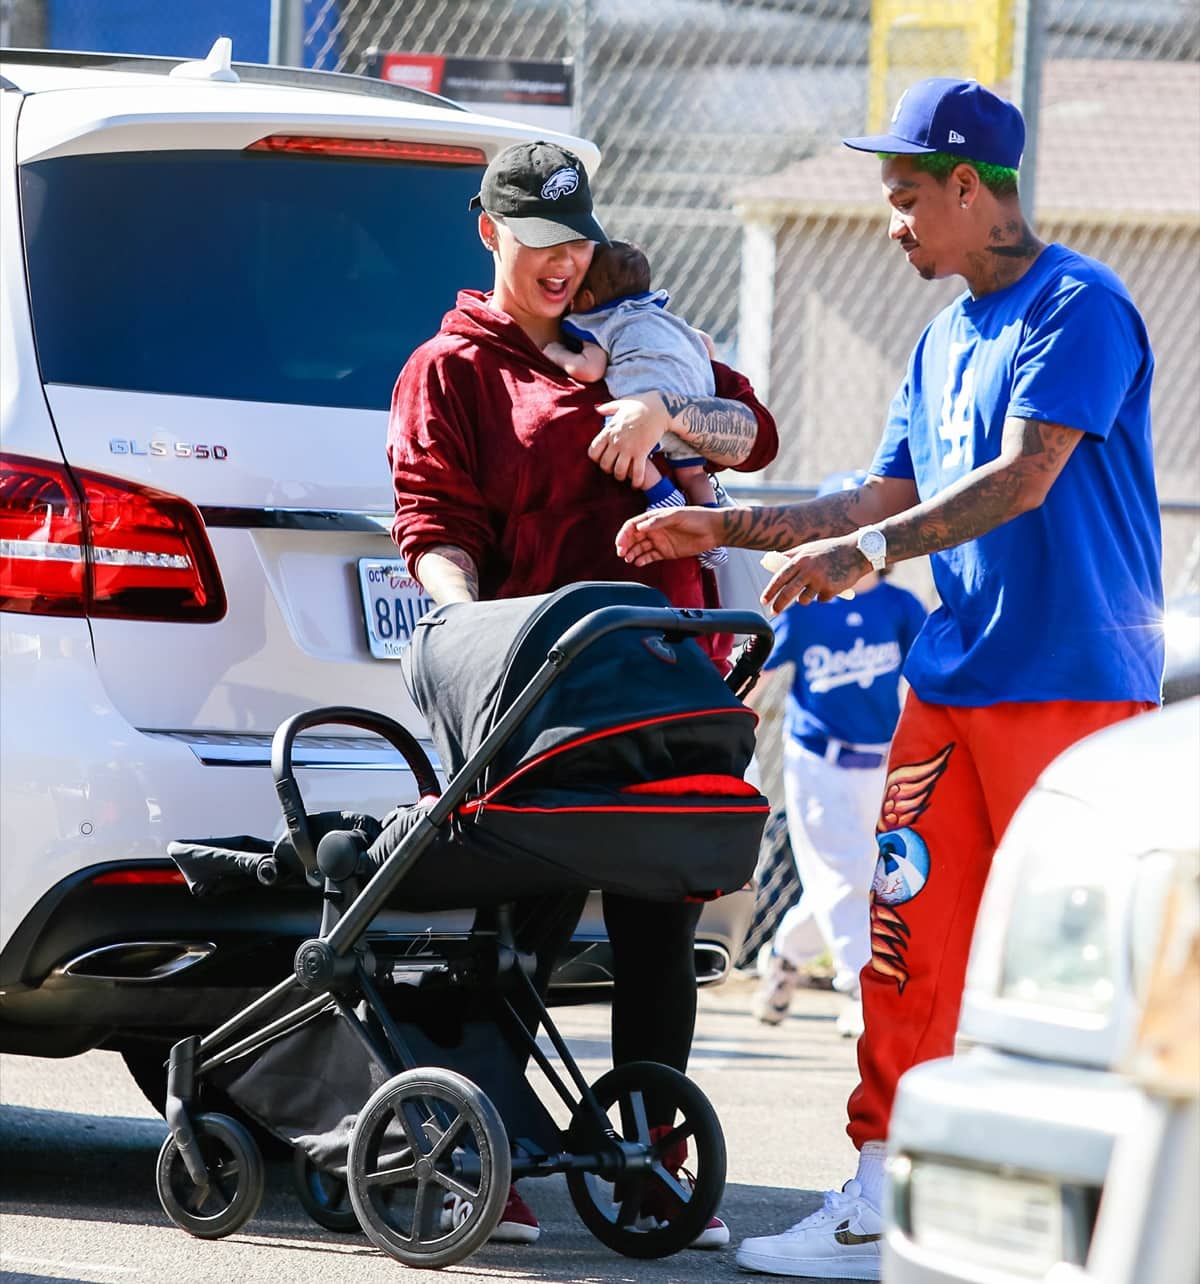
(393,602)
(1002,1221)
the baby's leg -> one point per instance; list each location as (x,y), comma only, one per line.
(660,491)
(696,484)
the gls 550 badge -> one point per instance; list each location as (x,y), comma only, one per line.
(165,449)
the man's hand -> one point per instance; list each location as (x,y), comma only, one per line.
(815,572)
(632,430)
(664,534)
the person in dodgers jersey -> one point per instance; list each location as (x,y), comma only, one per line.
(842,705)
(1017,454)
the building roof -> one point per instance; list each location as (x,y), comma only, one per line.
(1118,141)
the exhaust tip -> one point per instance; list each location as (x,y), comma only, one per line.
(712,963)
(137,961)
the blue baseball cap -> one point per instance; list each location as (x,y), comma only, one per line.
(956,116)
(836,482)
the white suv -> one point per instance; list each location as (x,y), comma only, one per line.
(211,276)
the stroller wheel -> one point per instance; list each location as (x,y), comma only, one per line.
(324,1197)
(655,1211)
(424,1136)
(236,1178)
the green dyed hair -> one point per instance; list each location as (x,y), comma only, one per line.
(1000,180)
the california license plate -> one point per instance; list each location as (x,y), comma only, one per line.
(393,602)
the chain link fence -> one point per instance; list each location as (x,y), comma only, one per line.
(720,121)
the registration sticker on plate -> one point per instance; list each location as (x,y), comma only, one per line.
(393,602)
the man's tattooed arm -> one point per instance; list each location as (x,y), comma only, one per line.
(448,574)
(722,431)
(1032,454)
(785,526)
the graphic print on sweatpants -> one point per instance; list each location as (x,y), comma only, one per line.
(903,864)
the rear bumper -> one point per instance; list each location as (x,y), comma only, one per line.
(94,963)
(84,791)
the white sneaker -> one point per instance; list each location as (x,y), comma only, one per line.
(840,1241)
(773,997)
(850,1020)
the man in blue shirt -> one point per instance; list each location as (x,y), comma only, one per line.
(843,701)
(1017,454)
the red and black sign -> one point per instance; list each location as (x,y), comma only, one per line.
(478,80)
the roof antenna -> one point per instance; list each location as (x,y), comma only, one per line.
(217,66)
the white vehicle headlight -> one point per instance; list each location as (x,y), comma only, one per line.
(1057,942)
(1067,927)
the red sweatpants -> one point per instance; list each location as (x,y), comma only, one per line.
(955,778)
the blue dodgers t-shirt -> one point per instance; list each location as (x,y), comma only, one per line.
(847,657)
(1065,602)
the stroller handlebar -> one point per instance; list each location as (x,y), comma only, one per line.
(292,804)
(679,621)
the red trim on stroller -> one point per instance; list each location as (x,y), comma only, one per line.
(708,784)
(468,809)
(599,735)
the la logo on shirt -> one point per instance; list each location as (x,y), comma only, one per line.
(957,426)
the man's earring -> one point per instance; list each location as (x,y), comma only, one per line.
(962,205)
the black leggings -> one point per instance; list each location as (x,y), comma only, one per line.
(654,973)
(654,965)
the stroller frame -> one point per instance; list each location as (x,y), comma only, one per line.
(210,1160)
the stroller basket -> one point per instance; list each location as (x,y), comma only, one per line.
(399,1079)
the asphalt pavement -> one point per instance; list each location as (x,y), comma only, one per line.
(77,1197)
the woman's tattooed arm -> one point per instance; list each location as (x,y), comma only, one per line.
(448,574)
(722,431)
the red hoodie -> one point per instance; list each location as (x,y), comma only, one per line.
(488,443)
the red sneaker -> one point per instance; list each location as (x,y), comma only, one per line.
(659,1205)
(517,1224)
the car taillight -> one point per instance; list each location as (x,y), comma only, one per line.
(370,149)
(84,543)
(139,878)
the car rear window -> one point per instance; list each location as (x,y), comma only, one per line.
(304,280)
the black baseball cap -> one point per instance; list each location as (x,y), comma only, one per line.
(541,192)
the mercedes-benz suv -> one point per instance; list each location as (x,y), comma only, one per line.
(212,273)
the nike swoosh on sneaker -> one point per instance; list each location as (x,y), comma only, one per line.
(844,1235)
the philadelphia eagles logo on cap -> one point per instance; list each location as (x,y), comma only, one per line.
(561,183)
(540,192)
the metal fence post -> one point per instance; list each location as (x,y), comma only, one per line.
(577,37)
(287,33)
(1027,90)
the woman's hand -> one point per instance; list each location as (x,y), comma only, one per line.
(664,534)
(630,432)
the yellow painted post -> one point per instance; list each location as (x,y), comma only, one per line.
(912,39)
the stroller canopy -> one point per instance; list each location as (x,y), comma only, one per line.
(628,709)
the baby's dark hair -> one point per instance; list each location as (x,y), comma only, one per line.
(617,269)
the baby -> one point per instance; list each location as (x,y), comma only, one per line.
(632,342)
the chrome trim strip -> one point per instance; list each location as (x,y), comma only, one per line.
(334,753)
(296,519)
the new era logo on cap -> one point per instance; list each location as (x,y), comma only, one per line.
(947,115)
(540,192)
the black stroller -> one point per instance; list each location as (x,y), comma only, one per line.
(589,743)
